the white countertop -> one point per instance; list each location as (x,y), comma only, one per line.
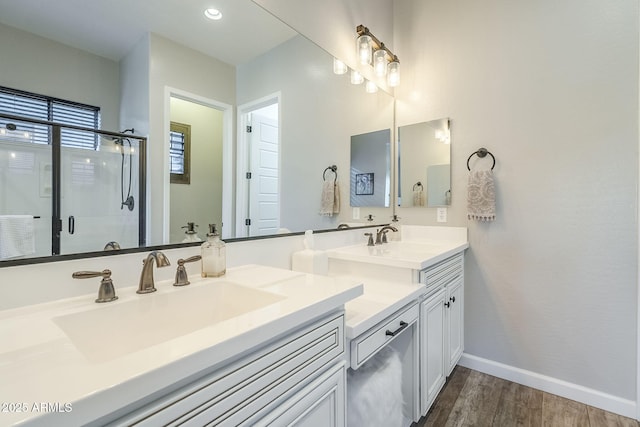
(414,255)
(419,247)
(40,364)
(380,300)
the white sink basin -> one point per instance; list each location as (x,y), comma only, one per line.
(120,328)
(415,255)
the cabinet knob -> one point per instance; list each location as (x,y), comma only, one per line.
(447,304)
(452,299)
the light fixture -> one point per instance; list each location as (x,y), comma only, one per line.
(371,87)
(339,67)
(356,77)
(213,14)
(364,48)
(393,72)
(444,135)
(373,51)
(380,62)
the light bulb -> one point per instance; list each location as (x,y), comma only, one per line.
(356,77)
(213,14)
(380,62)
(363,46)
(339,67)
(371,87)
(393,73)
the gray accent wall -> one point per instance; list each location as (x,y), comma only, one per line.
(551,89)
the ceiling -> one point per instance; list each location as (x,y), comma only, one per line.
(110,28)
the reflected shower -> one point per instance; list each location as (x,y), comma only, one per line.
(127,201)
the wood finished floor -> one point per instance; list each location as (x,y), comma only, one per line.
(471,398)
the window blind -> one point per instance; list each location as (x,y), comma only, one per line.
(20,103)
(176,151)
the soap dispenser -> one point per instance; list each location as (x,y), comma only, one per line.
(214,254)
(190,235)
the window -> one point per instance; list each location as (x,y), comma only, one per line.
(26,104)
(180,153)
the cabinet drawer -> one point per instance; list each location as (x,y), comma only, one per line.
(442,272)
(252,385)
(367,344)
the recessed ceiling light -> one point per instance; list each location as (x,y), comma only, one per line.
(214,14)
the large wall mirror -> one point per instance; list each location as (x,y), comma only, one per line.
(424,164)
(145,71)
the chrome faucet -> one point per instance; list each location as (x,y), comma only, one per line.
(146,278)
(381,235)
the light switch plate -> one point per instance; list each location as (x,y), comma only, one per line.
(441,215)
(356,213)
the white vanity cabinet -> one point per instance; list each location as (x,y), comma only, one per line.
(296,380)
(441,325)
(431,258)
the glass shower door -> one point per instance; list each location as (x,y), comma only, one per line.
(99,205)
(25,190)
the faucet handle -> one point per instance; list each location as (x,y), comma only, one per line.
(378,237)
(370,242)
(384,236)
(107,292)
(181,273)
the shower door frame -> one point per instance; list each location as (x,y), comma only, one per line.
(56,171)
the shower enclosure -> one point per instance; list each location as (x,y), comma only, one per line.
(76,189)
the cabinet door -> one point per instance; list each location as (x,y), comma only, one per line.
(319,404)
(432,358)
(455,323)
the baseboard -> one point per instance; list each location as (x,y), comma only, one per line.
(588,396)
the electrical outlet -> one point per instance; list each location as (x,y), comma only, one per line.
(356,213)
(441,215)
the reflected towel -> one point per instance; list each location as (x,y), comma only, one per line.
(16,236)
(330,201)
(418,198)
(481,196)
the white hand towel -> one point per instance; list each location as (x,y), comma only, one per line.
(16,236)
(481,196)
(418,197)
(336,198)
(330,201)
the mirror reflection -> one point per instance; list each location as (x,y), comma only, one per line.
(424,164)
(313,110)
(371,169)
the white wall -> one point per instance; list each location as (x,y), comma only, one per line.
(551,89)
(201,200)
(319,113)
(203,76)
(134,88)
(35,64)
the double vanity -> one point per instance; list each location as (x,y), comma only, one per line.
(259,346)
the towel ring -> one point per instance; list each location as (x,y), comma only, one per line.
(417,184)
(332,168)
(482,152)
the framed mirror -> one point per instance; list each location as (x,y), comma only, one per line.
(424,164)
(131,64)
